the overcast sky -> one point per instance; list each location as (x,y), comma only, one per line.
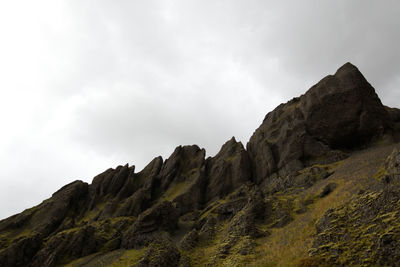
(88,85)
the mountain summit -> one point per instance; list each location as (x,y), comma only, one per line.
(342,111)
(318,184)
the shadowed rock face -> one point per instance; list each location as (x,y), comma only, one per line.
(178,166)
(187,200)
(229,169)
(342,111)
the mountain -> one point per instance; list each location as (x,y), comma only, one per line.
(318,184)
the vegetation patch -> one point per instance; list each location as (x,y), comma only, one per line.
(362,232)
(175,190)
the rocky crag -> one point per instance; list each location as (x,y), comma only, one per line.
(317,184)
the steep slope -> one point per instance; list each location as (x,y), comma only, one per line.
(271,203)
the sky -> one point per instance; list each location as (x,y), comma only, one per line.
(88,85)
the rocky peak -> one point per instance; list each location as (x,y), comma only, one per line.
(228,170)
(230,147)
(342,111)
(349,71)
(190,156)
(153,168)
(179,165)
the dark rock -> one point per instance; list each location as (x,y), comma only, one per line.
(192,195)
(229,209)
(312,125)
(228,170)
(66,246)
(110,181)
(348,90)
(180,164)
(388,250)
(181,178)
(327,190)
(40,221)
(135,204)
(161,217)
(108,184)
(21,251)
(262,159)
(139,190)
(394,114)
(141,180)
(64,203)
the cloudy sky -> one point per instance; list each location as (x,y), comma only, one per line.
(87,85)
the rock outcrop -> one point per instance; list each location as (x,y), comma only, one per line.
(342,111)
(228,170)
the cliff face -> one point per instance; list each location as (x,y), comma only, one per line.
(311,158)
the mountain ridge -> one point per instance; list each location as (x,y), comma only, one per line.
(175,209)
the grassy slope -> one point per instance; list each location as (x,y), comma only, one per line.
(287,245)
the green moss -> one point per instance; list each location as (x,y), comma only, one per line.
(9,237)
(381,173)
(231,158)
(352,231)
(127,219)
(174,191)
(92,214)
(69,231)
(205,253)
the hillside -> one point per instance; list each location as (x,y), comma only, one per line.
(318,184)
